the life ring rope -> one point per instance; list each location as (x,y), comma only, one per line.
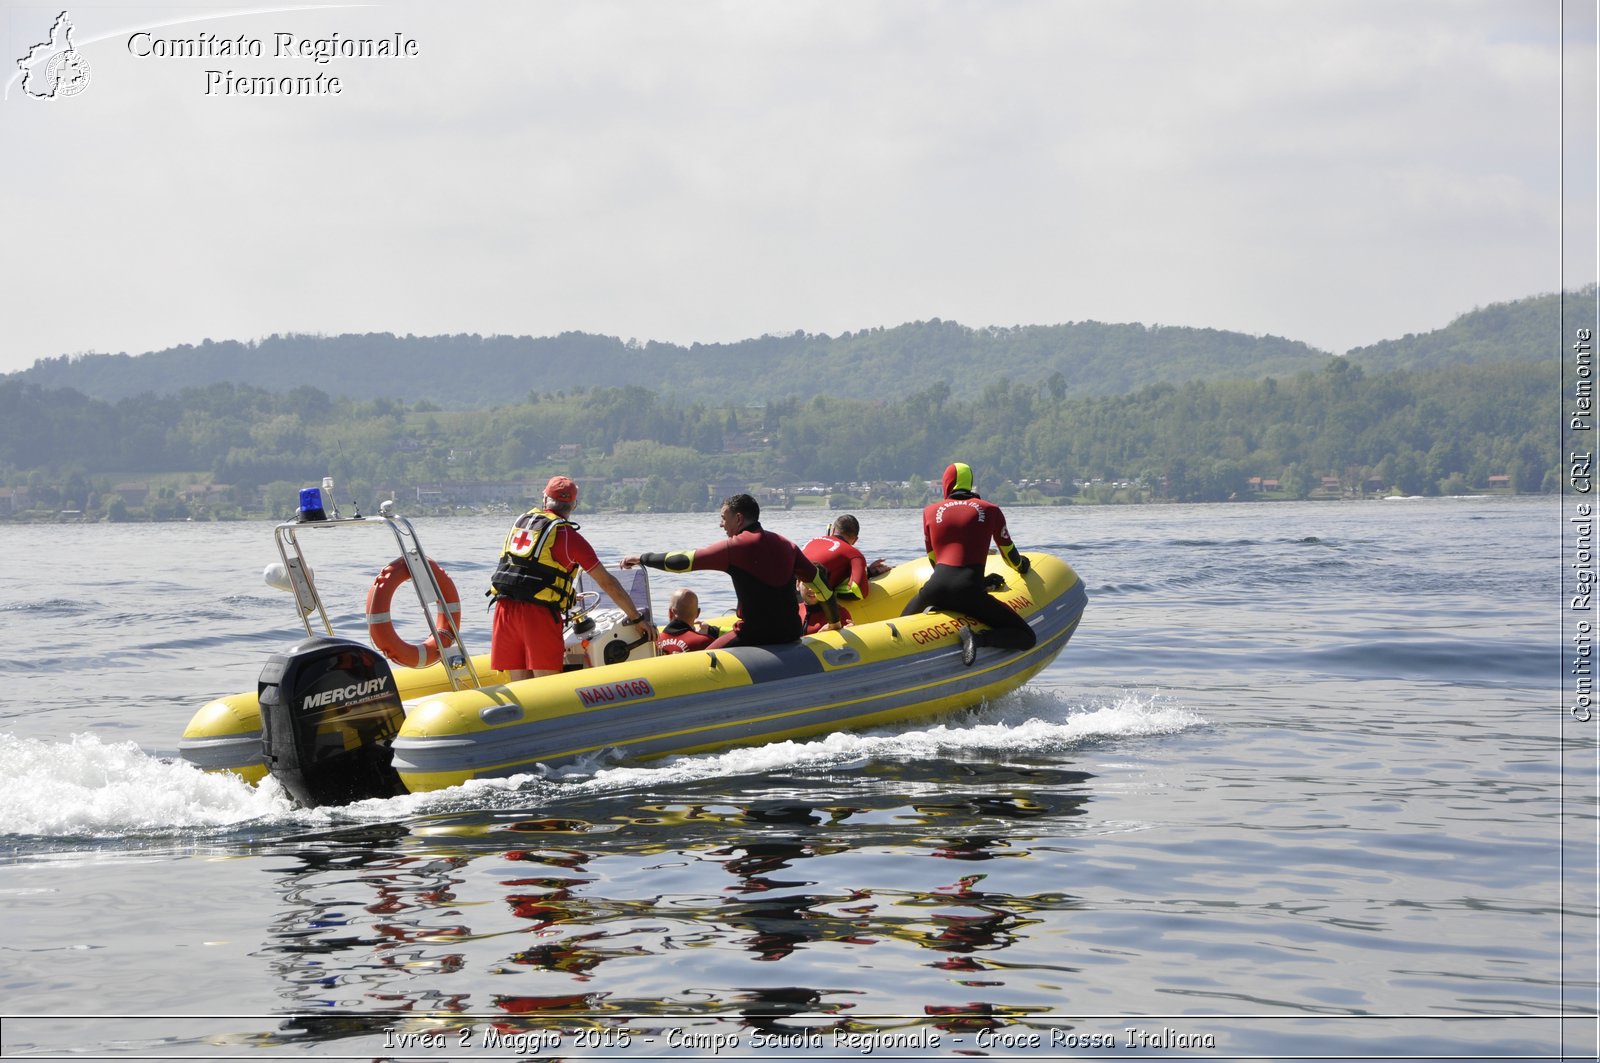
(380,624)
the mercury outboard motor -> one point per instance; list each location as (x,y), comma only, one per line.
(329,710)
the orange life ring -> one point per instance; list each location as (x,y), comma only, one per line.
(381,627)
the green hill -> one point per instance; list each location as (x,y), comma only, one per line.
(469,371)
(1526,330)
(1189,414)
(1080,359)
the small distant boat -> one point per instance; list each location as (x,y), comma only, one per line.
(335,720)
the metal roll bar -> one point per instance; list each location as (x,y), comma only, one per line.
(458,665)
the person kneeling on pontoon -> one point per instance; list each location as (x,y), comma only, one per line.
(957,532)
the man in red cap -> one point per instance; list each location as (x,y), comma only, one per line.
(957,532)
(535,582)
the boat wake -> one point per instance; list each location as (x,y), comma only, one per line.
(85,788)
(1027,722)
(88,788)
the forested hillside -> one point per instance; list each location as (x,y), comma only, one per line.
(1418,433)
(1081,359)
(1167,413)
(468,371)
(1525,330)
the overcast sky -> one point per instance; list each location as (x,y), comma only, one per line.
(1333,171)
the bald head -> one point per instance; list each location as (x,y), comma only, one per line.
(685,605)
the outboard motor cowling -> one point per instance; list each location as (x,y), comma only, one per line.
(329,710)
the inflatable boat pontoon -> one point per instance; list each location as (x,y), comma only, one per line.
(334,721)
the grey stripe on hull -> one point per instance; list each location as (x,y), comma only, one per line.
(767,663)
(219,754)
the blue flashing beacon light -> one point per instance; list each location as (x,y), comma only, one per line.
(311,504)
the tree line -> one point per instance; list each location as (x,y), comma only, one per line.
(1082,359)
(1415,432)
(1089,357)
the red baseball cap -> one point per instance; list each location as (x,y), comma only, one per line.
(561,489)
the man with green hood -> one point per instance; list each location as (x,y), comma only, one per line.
(957,532)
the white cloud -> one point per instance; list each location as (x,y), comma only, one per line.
(1337,171)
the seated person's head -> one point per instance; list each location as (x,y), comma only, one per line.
(808,593)
(685,605)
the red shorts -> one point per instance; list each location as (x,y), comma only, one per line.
(525,636)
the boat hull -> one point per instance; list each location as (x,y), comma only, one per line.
(872,674)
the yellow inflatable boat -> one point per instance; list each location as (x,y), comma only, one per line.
(334,722)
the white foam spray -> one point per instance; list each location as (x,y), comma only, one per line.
(86,788)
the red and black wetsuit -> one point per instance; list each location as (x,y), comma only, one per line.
(763,566)
(845,565)
(814,617)
(957,532)
(678,637)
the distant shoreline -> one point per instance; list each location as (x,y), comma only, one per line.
(455,513)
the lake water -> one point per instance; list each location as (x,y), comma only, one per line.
(1302,785)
